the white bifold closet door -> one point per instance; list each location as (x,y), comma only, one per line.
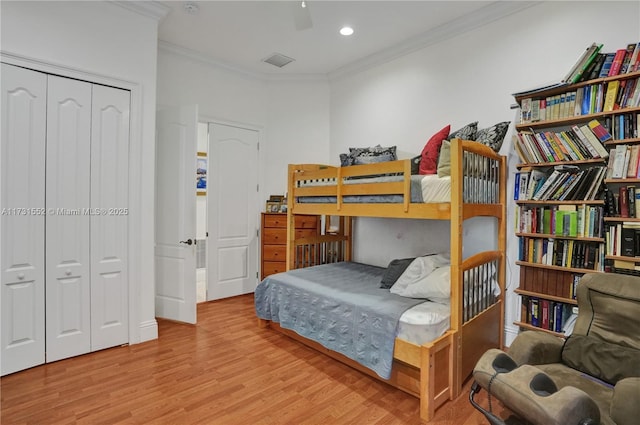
(22,175)
(64,261)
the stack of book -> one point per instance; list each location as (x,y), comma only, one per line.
(561,220)
(568,253)
(594,64)
(623,239)
(581,142)
(545,314)
(564,183)
(549,281)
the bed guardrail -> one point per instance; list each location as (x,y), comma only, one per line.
(322,249)
(480,287)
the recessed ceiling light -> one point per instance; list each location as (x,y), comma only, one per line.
(346,30)
(191,8)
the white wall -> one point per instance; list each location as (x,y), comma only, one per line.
(113,45)
(467,78)
(292,116)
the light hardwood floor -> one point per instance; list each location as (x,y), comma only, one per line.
(224,370)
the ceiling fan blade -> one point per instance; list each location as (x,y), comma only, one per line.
(301,15)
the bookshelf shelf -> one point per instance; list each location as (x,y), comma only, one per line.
(536,328)
(622,258)
(621,219)
(532,202)
(622,141)
(552,164)
(546,296)
(621,181)
(566,269)
(553,236)
(574,119)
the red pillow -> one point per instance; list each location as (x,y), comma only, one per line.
(429,161)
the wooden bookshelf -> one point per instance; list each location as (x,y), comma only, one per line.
(536,328)
(545,296)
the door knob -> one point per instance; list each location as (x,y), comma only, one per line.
(188,242)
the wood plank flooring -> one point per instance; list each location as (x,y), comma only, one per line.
(224,370)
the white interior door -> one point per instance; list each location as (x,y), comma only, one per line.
(109,217)
(68,319)
(232,211)
(176,214)
(22,197)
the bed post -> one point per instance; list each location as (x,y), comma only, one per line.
(291,221)
(502,245)
(456,260)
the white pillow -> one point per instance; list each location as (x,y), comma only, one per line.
(413,282)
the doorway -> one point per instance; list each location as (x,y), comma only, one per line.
(201,212)
(227,211)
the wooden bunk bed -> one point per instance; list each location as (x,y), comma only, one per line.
(433,371)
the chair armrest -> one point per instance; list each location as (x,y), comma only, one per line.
(625,404)
(534,347)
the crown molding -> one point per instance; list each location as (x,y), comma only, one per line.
(490,13)
(167,47)
(150,9)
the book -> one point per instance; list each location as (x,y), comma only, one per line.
(617,62)
(606,65)
(580,62)
(634,58)
(594,70)
(632,170)
(610,97)
(595,142)
(593,52)
(593,153)
(598,129)
(618,161)
(627,58)
(624,201)
(631,194)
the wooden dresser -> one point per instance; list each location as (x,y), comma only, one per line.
(274,239)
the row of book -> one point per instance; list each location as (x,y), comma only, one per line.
(564,183)
(624,267)
(578,143)
(590,99)
(567,253)
(593,63)
(623,162)
(623,239)
(550,315)
(622,126)
(552,282)
(573,221)
(625,202)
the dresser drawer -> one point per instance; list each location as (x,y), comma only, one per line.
(275,220)
(272,267)
(274,252)
(306,221)
(274,236)
(305,233)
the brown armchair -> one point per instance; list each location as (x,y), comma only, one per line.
(592,377)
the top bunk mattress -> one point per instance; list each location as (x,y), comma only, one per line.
(424,189)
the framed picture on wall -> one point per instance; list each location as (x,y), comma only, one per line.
(201,174)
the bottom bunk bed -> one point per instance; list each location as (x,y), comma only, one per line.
(340,310)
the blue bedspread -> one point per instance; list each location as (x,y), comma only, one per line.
(340,306)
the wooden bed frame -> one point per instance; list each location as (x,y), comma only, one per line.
(434,372)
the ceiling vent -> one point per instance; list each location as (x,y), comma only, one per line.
(278,59)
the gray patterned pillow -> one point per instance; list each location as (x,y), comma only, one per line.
(372,154)
(468,132)
(493,136)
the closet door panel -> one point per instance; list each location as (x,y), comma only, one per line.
(22,197)
(67,225)
(109,223)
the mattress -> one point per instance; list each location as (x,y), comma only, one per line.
(424,322)
(424,189)
(342,306)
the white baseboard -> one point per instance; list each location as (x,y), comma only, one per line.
(510,333)
(148,330)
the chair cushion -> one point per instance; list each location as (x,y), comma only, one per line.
(606,361)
